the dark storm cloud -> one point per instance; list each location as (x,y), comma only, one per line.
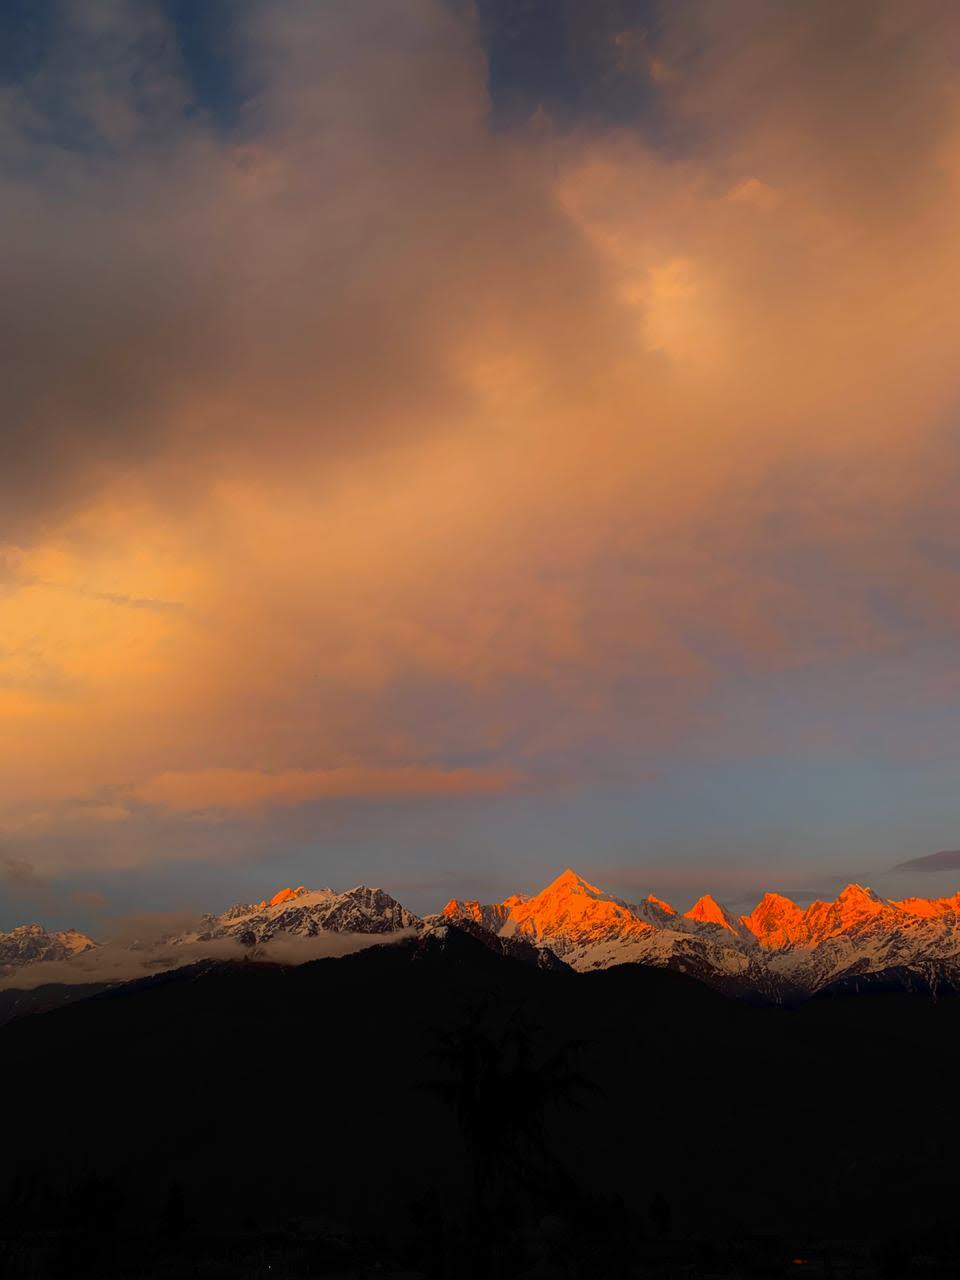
(172,295)
(112,272)
(947,860)
(576,62)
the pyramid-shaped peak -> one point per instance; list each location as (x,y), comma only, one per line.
(572,912)
(707,910)
(857,893)
(854,902)
(706,901)
(570,882)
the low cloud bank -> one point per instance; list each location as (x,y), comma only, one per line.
(122,960)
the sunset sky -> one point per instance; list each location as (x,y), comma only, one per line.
(443,443)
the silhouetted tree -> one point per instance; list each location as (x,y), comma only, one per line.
(501,1090)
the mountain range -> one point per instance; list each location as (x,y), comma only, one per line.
(778,953)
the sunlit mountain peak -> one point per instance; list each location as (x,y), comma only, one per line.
(707,910)
(570,882)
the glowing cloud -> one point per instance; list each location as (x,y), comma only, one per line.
(374,440)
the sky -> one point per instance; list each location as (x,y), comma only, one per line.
(444,443)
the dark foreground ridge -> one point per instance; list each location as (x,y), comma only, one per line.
(441,1107)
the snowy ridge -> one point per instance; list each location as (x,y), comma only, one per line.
(778,951)
(305,913)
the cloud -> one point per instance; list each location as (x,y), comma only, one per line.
(90,899)
(124,959)
(948,860)
(368,450)
(22,880)
(253,789)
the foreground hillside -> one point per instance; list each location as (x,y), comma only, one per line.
(436,1107)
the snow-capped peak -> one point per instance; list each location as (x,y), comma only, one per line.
(568,913)
(570,882)
(858,893)
(29,943)
(707,910)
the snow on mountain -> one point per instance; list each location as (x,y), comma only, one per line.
(442,933)
(707,910)
(491,917)
(305,913)
(569,913)
(775,922)
(31,943)
(778,951)
(292,926)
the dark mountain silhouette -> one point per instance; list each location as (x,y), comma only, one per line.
(438,1108)
(16,1002)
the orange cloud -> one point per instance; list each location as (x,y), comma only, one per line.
(383,440)
(253,789)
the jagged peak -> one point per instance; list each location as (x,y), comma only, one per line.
(40,931)
(30,942)
(367,891)
(659,902)
(462,906)
(928,907)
